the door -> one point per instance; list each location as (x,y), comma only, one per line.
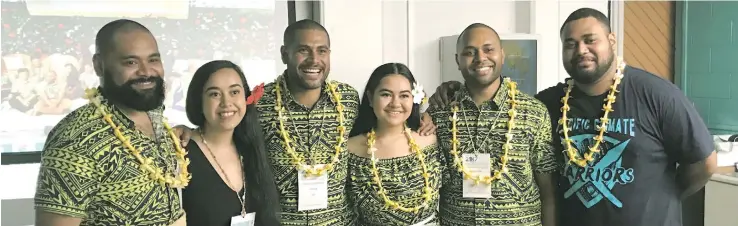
(707,60)
(648,37)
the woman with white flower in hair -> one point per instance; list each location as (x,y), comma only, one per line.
(394,172)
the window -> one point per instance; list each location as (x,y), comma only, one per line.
(48,45)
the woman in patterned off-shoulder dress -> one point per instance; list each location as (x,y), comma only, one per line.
(395,173)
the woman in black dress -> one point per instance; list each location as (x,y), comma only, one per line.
(231,177)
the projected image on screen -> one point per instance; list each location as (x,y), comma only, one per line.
(47,49)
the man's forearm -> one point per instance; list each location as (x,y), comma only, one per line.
(546,185)
(691,178)
(548,211)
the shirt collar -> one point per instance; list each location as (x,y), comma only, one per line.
(286,95)
(498,99)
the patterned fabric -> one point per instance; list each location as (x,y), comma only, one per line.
(515,199)
(87,173)
(403,180)
(314,136)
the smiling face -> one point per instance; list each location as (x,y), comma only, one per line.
(308,58)
(392,100)
(588,49)
(480,56)
(224,100)
(133,72)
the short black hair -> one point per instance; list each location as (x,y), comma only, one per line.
(582,13)
(104,37)
(472,26)
(291,31)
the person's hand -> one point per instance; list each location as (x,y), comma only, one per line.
(184,133)
(426,125)
(444,93)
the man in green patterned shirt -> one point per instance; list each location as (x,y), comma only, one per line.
(315,116)
(497,141)
(91,171)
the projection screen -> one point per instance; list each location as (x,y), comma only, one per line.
(47,48)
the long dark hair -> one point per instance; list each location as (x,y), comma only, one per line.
(249,140)
(367,120)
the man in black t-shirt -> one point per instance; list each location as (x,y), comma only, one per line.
(652,150)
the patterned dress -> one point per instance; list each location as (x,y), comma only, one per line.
(515,198)
(402,178)
(87,173)
(313,133)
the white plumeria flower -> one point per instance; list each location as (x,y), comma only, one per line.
(418,94)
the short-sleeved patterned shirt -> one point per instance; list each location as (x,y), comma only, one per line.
(313,132)
(515,199)
(87,173)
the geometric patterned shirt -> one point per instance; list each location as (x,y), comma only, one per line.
(313,132)
(87,173)
(515,198)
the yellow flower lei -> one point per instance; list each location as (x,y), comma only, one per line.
(572,152)
(146,164)
(458,162)
(427,191)
(297,160)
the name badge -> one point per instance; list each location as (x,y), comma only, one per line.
(247,220)
(478,165)
(312,191)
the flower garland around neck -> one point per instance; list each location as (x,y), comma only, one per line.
(427,191)
(146,164)
(571,151)
(297,159)
(458,162)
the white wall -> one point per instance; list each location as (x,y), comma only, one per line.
(367,33)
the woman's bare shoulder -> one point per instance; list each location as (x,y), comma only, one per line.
(357,145)
(424,141)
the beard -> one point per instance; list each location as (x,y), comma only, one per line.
(585,76)
(126,95)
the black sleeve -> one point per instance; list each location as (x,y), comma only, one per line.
(685,135)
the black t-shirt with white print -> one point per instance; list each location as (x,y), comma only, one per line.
(632,182)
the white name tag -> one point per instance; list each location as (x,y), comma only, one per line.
(247,220)
(312,191)
(478,165)
(424,222)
